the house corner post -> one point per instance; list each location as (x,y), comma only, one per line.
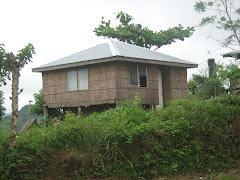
(45,115)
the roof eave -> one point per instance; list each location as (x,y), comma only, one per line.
(233,54)
(114,58)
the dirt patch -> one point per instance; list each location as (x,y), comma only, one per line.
(63,165)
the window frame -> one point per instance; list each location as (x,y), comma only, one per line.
(138,76)
(76,80)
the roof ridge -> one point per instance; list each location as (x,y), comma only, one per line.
(113,48)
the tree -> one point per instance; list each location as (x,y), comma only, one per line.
(2,109)
(11,65)
(208,86)
(37,108)
(205,87)
(139,35)
(231,75)
(223,79)
(4,73)
(224,15)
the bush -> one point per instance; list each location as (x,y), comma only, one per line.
(189,135)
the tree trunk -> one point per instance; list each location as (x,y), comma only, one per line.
(15,84)
(45,115)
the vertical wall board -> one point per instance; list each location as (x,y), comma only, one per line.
(97,95)
(96,85)
(45,99)
(44,82)
(105,94)
(111,83)
(45,91)
(111,75)
(112,95)
(91,84)
(153,76)
(174,84)
(178,82)
(92,76)
(184,85)
(166,83)
(122,74)
(91,96)
(52,98)
(153,84)
(64,98)
(59,89)
(103,84)
(51,90)
(122,83)
(82,96)
(104,76)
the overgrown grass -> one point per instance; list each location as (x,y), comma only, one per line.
(188,136)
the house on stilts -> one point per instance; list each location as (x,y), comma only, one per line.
(109,73)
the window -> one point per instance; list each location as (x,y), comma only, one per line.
(138,76)
(77,79)
(72,80)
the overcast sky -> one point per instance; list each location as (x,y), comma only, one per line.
(59,28)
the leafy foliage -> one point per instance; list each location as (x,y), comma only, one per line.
(37,108)
(223,79)
(231,75)
(205,87)
(224,14)
(6,64)
(2,109)
(141,36)
(24,56)
(4,73)
(190,135)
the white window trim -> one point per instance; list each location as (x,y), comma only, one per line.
(78,88)
(138,76)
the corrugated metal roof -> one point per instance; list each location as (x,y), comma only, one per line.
(113,49)
(129,50)
(96,52)
(231,54)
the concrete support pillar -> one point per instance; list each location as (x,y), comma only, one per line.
(79,111)
(45,115)
(154,107)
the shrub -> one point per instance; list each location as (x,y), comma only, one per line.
(188,135)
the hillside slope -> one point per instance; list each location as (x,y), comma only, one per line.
(23,117)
